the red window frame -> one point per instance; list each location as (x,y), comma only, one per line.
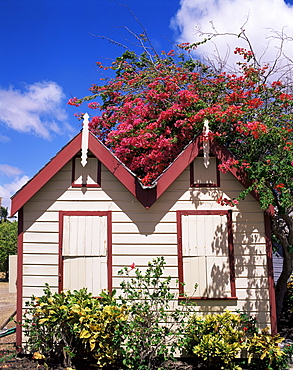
(74,185)
(228,213)
(108,214)
(204,185)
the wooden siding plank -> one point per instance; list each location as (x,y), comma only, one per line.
(38,270)
(151,250)
(118,280)
(40,259)
(40,237)
(144,216)
(144,228)
(141,261)
(40,248)
(168,271)
(144,239)
(39,281)
(41,227)
(33,215)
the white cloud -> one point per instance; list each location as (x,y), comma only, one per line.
(9,170)
(228,16)
(4,139)
(37,109)
(7,190)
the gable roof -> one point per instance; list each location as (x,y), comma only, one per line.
(145,195)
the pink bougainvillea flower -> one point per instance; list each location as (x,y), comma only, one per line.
(132,266)
(74,101)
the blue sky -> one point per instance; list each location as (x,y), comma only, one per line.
(48,51)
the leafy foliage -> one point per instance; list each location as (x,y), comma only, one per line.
(264,350)
(217,341)
(156,104)
(73,324)
(154,324)
(3,214)
(8,243)
(143,329)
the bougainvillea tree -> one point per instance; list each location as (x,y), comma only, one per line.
(156,104)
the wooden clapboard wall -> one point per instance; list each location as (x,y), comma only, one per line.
(138,235)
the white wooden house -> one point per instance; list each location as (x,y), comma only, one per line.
(78,226)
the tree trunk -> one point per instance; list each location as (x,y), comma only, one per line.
(281,286)
(7,269)
(282,227)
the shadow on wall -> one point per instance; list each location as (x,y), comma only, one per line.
(248,230)
(249,251)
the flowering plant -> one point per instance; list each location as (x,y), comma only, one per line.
(156,104)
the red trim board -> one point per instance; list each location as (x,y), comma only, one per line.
(228,213)
(108,214)
(145,195)
(19,282)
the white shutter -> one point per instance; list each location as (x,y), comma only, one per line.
(205,175)
(88,174)
(84,253)
(84,236)
(205,255)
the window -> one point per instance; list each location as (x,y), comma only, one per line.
(206,254)
(85,251)
(88,176)
(200,176)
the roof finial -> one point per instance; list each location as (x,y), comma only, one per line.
(85,139)
(206,143)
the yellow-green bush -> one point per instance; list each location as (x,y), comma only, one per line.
(73,324)
(218,341)
(264,351)
(215,339)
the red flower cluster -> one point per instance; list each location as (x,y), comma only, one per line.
(153,108)
(227,202)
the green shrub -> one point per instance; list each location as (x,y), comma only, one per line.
(143,328)
(264,351)
(141,331)
(284,361)
(154,327)
(218,341)
(74,324)
(288,299)
(215,340)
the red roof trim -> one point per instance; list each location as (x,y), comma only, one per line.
(178,166)
(223,154)
(45,174)
(108,159)
(146,196)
